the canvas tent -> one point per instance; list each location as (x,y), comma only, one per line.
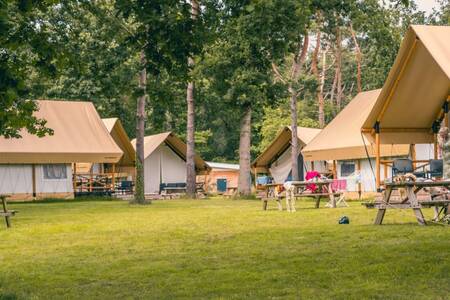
(414,98)
(41,167)
(341,141)
(165,161)
(276,158)
(125,166)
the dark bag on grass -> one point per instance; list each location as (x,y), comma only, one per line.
(344,220)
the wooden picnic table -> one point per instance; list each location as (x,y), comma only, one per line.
(5,212)
(324,189)
(410,201)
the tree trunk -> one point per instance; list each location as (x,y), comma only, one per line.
(139,196)
(190,127)
(338,69)
(358,59)
(320,95)
(244,154)
(294,136)
(320,80)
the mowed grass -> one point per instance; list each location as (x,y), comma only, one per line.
(217,248)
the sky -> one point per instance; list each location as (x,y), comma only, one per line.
(427,5)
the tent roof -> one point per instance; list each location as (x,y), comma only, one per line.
(282,142)
(152,142)
(416,89)
(118,133)
(79,136)
(342,139)
(224,166)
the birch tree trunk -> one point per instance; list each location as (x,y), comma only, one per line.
(320,81)
(294,137)
(244,188)
(338,68)
(190,127)
(139,196)
(358,60)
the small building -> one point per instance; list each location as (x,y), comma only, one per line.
(352,155)
(222,178)
(36,168)
(276,158)
(165,161)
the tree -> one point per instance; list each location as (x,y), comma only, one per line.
(23,47)
(190,127)
(253,35)
(164,33)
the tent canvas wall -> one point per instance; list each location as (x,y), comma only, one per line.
(342,141)
(33,167)
(165,161)
(275,159)
(414,99)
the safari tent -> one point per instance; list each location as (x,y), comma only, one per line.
(165,161)
(33,167)
(352,154)
(414,100)
(125,166)
(276,158)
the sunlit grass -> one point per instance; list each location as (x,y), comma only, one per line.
(219,248)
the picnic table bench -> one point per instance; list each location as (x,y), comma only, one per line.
(410,201)
(324,190)
(5,212)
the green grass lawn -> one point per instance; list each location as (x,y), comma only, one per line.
(219,248)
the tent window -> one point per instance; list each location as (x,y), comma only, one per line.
(347,169)
(55,171)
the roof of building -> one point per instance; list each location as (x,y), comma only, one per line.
(225,166)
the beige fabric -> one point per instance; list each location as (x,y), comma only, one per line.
(342,139)
(282,142)
(79,136)
(419,82)
(122,140)
(152,142)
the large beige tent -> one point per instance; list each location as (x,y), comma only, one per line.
(41,167)
(125,166)
(276,158)
(416,93)
(416,89)
(342,141)
(165,161)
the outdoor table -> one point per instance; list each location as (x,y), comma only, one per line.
(270,193)
(323,190)
(5,212)
(410,201)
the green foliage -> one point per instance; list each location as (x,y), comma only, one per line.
(24,44)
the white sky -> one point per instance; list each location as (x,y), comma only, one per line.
(427,5)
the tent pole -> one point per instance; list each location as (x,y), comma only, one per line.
(33,178)
(312,166)
(413,154)
(358,166)
(435,146)
(113,178)
(377,153)
(334,170)
(91,178)
(74,179)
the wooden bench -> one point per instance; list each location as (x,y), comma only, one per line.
(5,212)
(317,196)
